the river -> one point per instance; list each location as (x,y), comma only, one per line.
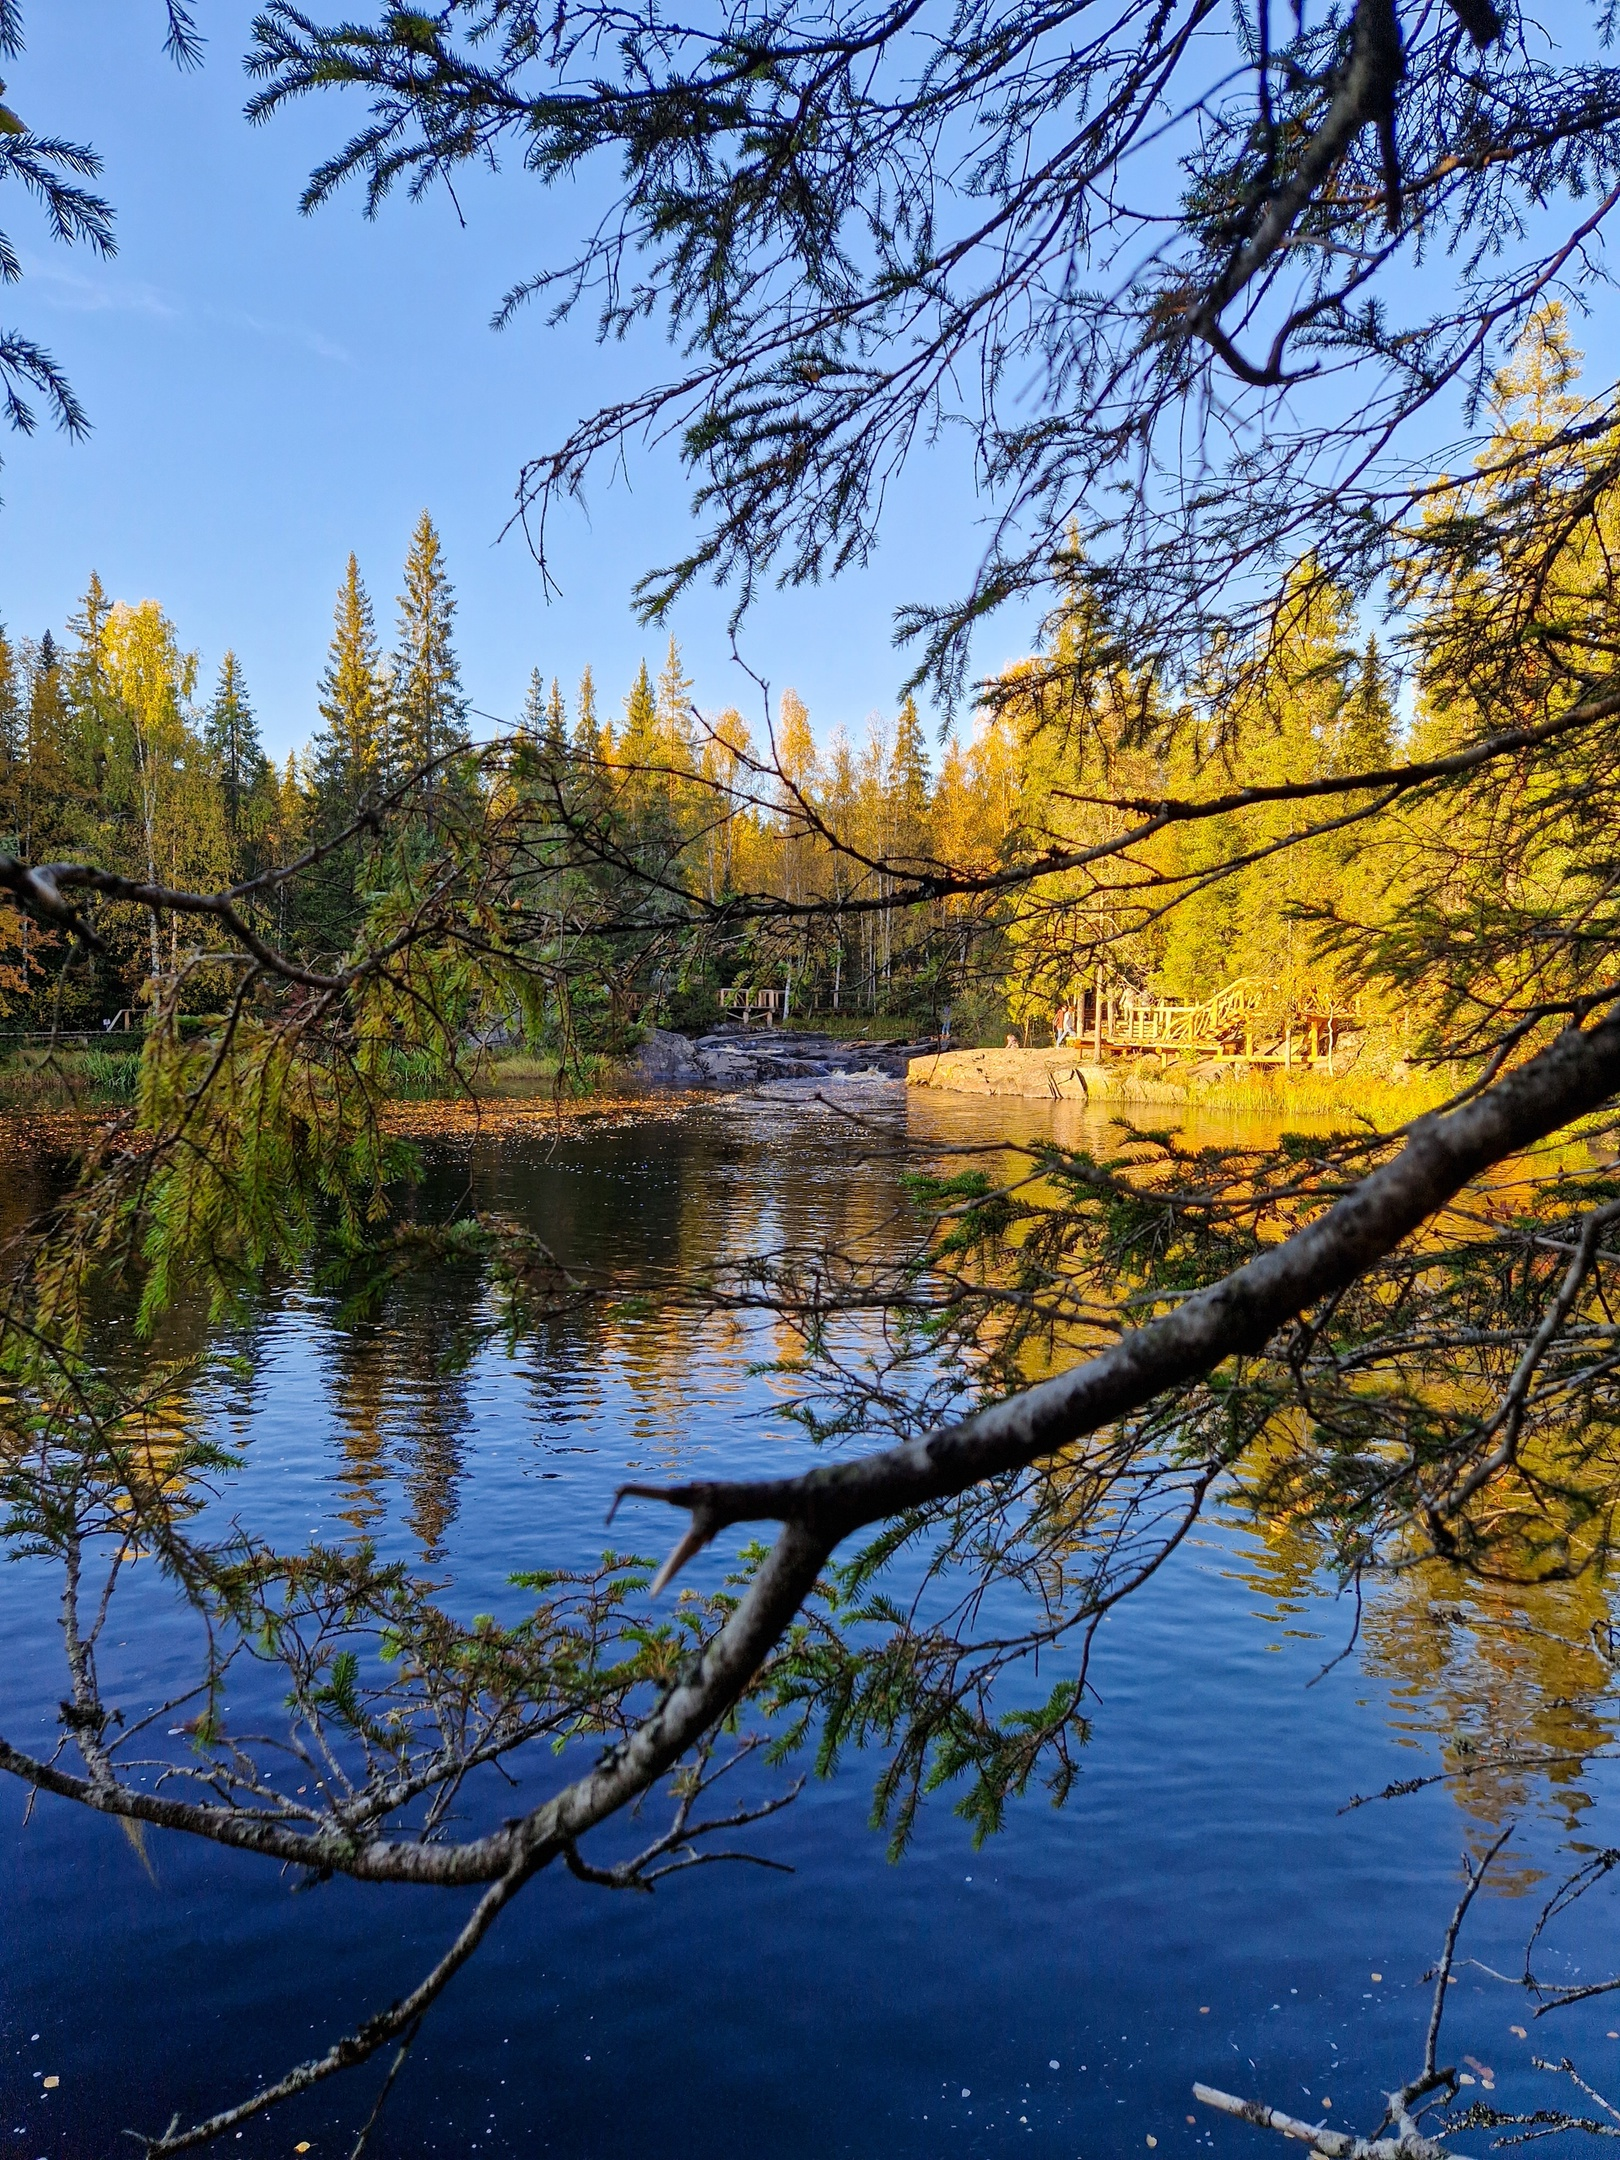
(1200,1908)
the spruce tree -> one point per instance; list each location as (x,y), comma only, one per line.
(532,724)
(232,734)
(638,747)
(674,715)
(86,693)
(429,704)
(13,736)
(909,782)
(587,740)
(556,716)
(351,749)
(44,827)
(11,701)
(1367,730)
(349,762)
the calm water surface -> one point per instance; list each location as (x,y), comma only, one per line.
(1199,1909)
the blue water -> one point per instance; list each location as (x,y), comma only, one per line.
(1199,1909)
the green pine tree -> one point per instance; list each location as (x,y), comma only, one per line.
(88,697)
(533,722)
(638,746)
(429,704)
(232,734)
(11,702)
(910,785)
(587,738)
(1367,729)
(675,687)
(350,752)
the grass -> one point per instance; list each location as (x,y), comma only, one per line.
(36,1077)
(1273,1092)
(40,1078)
(1320,1094)
(856,1027)
(414,1076)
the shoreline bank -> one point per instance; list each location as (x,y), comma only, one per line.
(1067,1075)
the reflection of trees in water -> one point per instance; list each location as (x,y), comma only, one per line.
(711,1196)
(399,1389)
(360,1392)
(1499,1679)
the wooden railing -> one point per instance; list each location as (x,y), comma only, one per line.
(748,1000)
(1250,1021)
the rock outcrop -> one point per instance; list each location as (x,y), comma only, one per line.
(778,1062)
(1039,1076)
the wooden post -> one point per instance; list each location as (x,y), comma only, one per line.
(1096,1017)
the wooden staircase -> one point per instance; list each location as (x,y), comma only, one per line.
(1249,1022)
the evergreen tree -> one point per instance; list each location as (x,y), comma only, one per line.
(88,631)
(88,700)
(11,702)
(232,734)
(13,740)
(46,792)
(351,749)
(1367,736)
(532,724)
(349,761)
(429,704)
(556,716)
(638,746)
(797,763)
(909,782)
(587,740)
(675,749)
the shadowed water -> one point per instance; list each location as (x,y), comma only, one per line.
(1200,1908)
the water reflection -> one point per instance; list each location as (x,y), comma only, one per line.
(1150,1933)
(1511,1693)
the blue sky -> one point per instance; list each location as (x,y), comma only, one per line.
(270,390)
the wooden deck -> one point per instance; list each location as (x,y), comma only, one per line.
(751,1002)
(1250,1022)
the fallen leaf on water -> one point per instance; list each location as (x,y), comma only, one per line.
(304,2147)
(51,2083)
(1153,2141)
(1327,2103)
(1523,2035)
(1377,1977)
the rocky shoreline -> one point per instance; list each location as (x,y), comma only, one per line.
(783,1065)
(777,1064)
(1038,1075)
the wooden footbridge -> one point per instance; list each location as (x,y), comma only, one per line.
(1250,1022)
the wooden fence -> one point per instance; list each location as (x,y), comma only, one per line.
(1250,1022)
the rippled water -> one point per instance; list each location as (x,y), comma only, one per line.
(1200,1908)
